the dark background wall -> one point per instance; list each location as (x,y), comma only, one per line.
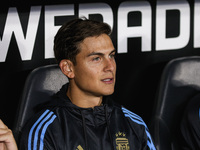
(167,30)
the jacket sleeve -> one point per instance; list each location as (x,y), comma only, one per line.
(35,133)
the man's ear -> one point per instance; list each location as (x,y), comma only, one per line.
(66,67)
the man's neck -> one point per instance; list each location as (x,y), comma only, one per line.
(83,100)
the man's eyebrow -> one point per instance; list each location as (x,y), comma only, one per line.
(113,51)
(94,53)
(99,53)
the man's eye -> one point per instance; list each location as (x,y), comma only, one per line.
(96,59)
(112,56)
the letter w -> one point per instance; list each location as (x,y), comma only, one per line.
(13,26)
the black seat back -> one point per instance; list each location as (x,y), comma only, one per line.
(180,81)
(40,85)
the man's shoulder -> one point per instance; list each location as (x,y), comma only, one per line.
(133,116)
(37,126)
(138,125)
(41,118)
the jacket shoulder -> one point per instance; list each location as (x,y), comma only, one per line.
(133,117)
(33,132)
(138,124)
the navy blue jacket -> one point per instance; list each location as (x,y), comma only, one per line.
(61,125)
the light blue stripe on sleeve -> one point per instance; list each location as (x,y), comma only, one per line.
(38,129)
(33,127)
(131,113)
(44,130)
(137,119)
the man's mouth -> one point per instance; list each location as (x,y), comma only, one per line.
(108,80)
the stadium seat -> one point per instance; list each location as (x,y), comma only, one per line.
(180,81)
(40,85)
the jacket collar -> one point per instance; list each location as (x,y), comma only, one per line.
(93,116)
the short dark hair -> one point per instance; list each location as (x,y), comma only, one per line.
(72,33)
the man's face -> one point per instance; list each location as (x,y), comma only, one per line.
(95,69)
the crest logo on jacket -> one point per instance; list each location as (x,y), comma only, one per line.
(121,141)
(79,147)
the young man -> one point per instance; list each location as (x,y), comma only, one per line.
(82,116)
(7,141)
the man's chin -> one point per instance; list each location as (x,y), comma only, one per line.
(107,93)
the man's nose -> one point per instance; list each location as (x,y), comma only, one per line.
(110,65)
